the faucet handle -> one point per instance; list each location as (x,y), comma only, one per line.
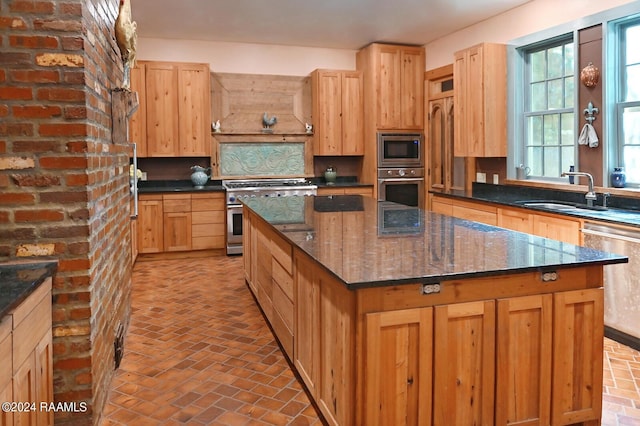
(605,197)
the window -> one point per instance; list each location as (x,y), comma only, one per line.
(628,100)
(549,118)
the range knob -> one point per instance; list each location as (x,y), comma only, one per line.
(232,199)
(401,172)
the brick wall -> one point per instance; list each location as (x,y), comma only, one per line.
(64,190)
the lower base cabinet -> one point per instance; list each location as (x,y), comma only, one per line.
(30,361)
(507,350)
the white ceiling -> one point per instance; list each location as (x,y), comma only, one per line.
(346,24)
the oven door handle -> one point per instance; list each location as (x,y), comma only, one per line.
(400,180)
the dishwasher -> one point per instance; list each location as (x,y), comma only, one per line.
(621,281)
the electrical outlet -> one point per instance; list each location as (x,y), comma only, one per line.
(481,177)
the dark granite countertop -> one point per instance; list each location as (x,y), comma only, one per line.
(621,210)
(366,243)
(159,186)
(19,279)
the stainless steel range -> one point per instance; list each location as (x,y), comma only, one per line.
(252,188)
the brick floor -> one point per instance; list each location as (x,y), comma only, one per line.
(198,352)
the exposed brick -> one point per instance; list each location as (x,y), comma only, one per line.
(25,6)
(64,231)
(35,76)
(72,43)
(33,42)
(63,129)
(80,313)
(36,111)
(40,145)
(44,215)
(74,9)
(83,378)
(16,93)
(4,110)
(63,197)
(72,363)
(78,248)
(16,198)
(41,181)
(12,22)
(25,250)
(59,60)
(66,162)
(16,129)
(3,75)
(16,58)
(75,112)
(72,76)
(64,95)
(82,214)
(16,163)
(4,181)
(4,216)
(3,147)
(76,179)
(66,265)
(17,234)
(58,25)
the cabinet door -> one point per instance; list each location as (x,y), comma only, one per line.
(177,231)
(162,109)
(150,230)
(557,228)
(412,89)
(307,324)
(398,359)
(389,72)
(24,390)
(44,378)
(440,144)
(6,394)
(352,113)
(138,121)
(327,87)
(516,220)
(194,110)
(441,206)
(475,102)
(464,364)
(523,376)
(578,333)
(460,103)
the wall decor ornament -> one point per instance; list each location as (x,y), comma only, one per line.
(590,75)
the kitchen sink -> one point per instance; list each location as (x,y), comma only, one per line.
(560,206)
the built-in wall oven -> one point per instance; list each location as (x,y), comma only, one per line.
(401,168)
(252,188)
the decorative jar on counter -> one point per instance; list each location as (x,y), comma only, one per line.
(200,176)
(618,178)
(330,175)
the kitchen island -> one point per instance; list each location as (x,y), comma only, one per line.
(394,315)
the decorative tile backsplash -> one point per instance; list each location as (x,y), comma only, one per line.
(262,159)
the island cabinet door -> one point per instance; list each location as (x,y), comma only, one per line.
(523,374)
(578,331)
(398,373)
(464,364)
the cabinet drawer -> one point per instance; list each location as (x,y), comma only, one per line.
(176,203)
(281,251)
(6,351)
(282,278)
(32,319)
(211,216)
(207,230)
(203,202)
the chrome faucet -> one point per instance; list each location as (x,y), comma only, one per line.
(590,196)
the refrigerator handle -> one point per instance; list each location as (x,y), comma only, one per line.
(135,182)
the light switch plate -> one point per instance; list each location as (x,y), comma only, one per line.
(481,177)
(496,179)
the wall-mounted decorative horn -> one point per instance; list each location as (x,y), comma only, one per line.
(590,75)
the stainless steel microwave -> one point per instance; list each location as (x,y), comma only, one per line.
(400,150)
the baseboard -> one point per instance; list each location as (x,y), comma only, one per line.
(621,337)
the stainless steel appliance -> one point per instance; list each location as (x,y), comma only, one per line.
(402,185)
(239,189)
(400,150)
(621,282)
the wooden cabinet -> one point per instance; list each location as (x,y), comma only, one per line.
(557,228)
(515,219)
(349,190)
(470,210)
(394,85)
(208,215)
(480,81)
(181,222)
(174,116)
(26,375)
(176,209)
(150,224)
(338,112)
(398,356)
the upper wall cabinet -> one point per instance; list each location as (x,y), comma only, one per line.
(480,101)
(175,110)
(337,112)
(394,84)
